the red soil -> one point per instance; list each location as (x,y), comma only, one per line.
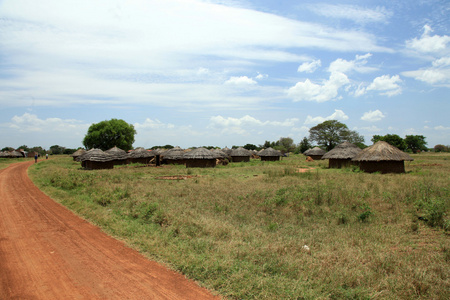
(47,252)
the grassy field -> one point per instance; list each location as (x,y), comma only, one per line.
(239,229)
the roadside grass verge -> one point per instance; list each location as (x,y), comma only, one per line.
(239,229)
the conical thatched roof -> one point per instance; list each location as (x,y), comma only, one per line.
(227,151)
(382,151)
(314,151)
(78,152)
(96,155)
(117,153)
(345,150)
(199,153)
(240,152)
(141,153)
(269,152)
(174,153)
(219,153)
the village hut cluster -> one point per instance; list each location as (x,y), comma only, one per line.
(196,158)
(18,154)
(380,157)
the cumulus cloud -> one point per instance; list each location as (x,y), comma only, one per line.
(31,123)
(373,116)
(337,115)
(153,124)
(309,67)
(387,85)
(241,81)
(310,91)
(358,64)
(427,43)
(440,127)
(370,129)
(243,125)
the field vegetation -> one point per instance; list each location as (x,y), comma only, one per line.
(240,229)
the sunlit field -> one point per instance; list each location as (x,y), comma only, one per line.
(240,229)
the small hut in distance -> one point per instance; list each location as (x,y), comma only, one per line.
(95,159)
(341,155)
(315,153)
(200,158)
(382,157)
(240,155)
(120,156)
(269,154)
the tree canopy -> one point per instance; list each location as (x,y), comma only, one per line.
(392,139)
(416,143)
(331,133)
(304,145)
(107,134)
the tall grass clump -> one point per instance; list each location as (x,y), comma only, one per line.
(240,229)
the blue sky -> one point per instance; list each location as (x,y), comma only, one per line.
(222,73)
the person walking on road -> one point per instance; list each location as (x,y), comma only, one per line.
(35,157)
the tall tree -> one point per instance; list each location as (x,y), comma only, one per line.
(107,134)
(416,143)
(286,143)
(393,139)
(55,149)
(331,133)
(304,145)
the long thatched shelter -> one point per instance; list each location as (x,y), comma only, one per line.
(141,156)
(269,154)
(315,153)
(120,156)
(382,157)
(200,158)
(95,159)
(240,154)
(341,155)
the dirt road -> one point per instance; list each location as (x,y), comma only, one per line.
(47,252)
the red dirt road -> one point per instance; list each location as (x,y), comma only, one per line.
(47,252)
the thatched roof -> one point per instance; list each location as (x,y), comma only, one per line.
(15,153)
(314,151)
(227,151)
(78,152)
(199,153)
(219,153)
(240,152)
(382,151)
(345,150)
(269,152)
(174,153)
(4,154)
(141,153)
(117,153)
(96,155)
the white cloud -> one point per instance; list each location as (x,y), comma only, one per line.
(337,115)
(440,127)
(261,76)
(244,125)
(31,123)
(242,81)
(370,129)
(437,74)
(353,13)
(358,65)
(387,85)
(427,43)
(310,91)
(153,124)
(373,116)
(309,67)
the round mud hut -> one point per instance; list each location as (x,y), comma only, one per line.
(120,156)
(269,154)
(240,154)
(78,153)
(173,156)
(341,156)
(141,156)
(200,158)
(382,157)
(315,153)
(96,159)
(227,151)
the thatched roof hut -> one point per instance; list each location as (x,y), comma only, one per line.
(4,154)
(240,154)
(78,153)
(95,159)
(382,157)
(200,158)
(227,151)
(341,155)
(315,153)
(173,156)
(219,153)
(269,154)
(141,156)
(120,156)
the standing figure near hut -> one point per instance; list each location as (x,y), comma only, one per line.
(35,158)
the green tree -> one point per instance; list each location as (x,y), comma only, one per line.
(416,143)
(393,139)
(24,148)
(250,147)
(304,145)
(56,149)
(38,149)
(286,144)
(107,134)
(441,148)
(8,149)
(331,133)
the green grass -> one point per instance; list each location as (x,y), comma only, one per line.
(239,229)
